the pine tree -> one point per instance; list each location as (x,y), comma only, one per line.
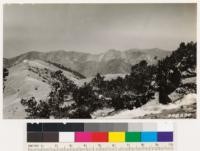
(98,81)
(5,74)
(53,106)
(170,68)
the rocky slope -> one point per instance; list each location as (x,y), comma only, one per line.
(110,62)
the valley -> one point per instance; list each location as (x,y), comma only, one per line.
(113,84)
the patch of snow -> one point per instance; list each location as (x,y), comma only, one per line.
(153,107)
(25,61)
(109,77)
(102,112)
(187,99)
(174,96)
(189,80)
(87,80)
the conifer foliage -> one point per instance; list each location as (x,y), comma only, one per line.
(5,74)
(132,91)
(169,70)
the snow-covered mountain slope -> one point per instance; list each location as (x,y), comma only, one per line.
(183,106)
(109,77)
(30,78)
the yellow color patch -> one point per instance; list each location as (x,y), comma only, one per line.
(116,136)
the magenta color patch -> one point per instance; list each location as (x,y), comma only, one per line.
(83,137)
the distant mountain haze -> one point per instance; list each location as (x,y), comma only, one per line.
(111,62)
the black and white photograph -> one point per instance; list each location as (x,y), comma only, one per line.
(100,61)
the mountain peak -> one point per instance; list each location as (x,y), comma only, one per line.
(113,50)
(111,61)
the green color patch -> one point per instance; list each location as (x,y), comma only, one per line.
(133,137)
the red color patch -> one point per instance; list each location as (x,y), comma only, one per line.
(100,136)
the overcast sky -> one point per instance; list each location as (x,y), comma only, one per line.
(96,28)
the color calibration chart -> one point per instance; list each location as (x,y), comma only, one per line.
(100,137)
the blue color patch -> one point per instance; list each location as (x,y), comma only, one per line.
(149,137)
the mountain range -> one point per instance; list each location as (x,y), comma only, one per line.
(88,64)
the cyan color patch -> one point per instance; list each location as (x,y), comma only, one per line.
(149,137)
